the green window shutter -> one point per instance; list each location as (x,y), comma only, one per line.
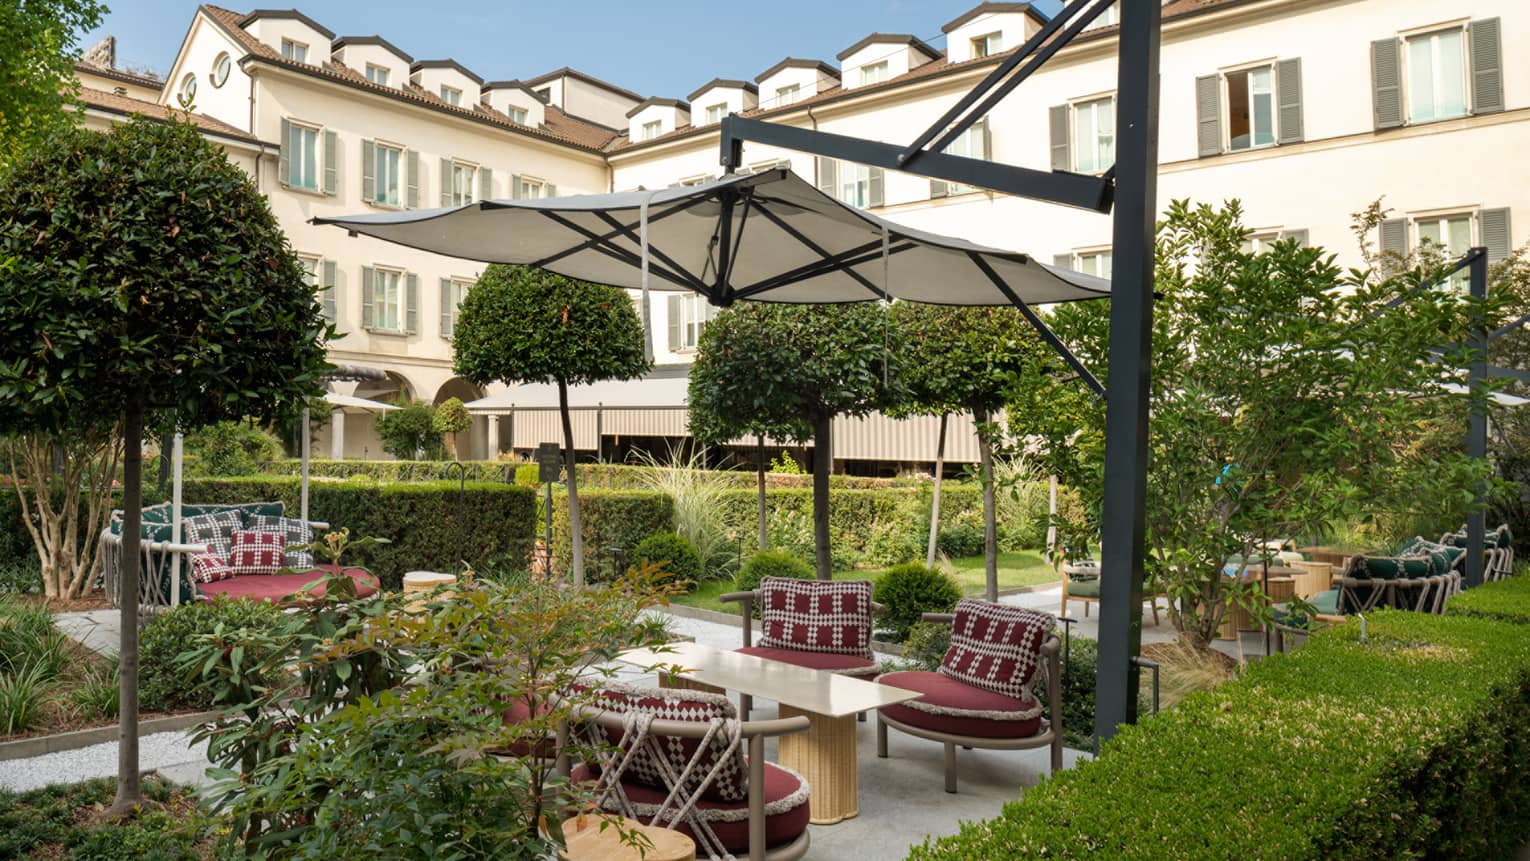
(368,171)
(1394,237)
(1386,83)
(284,158)
(1062,158)
(328,294)
(676,340)
(331,154)
(1494,227)
(549,190)
(874,183)
(1288,86)
(411,303)
(1062,261)
(828,177)
(1487,66)
(446,182)
(413,199)
(1299,235)
(516,191)
(938,189)
(368,299)
(1208,115)
(447,307)
(485,184)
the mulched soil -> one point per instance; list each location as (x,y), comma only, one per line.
(95,600)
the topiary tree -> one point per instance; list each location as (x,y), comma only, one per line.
(451,418)
(964,359)
(786,371)
(146,277)
(409,432)
(906,592)
(523,325)
(672,554)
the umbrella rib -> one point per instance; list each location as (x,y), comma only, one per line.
(838,262)
(1041,328)
(817,249)
(621,254)
(596,240)
(738,241)
(652,249)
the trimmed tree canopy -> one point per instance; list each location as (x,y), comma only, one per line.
(141,265)
(955,358)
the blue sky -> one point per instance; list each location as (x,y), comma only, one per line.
(657,47)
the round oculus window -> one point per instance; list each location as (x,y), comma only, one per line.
(188,89)
(220,70)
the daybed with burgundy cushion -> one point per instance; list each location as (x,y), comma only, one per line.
(983,695)
(818,624)
(739,804)
(277,587)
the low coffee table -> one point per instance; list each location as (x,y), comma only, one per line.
(825,755)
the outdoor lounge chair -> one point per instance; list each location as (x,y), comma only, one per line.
(1081,582)
(983,695)
(677,759)
(1498,550)
(821,625)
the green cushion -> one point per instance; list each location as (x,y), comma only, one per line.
(1084,588)
(1327,603)
(1389,567)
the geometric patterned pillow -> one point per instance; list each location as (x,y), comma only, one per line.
(256,552)
(732,781)
(1392,567)
(995,647)
(215,530)
(816,615)
(297,533)
(208,568)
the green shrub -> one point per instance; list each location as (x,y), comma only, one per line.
(410,431)
(49,823)
(771,563)
(163,685)
(419,519)
(908,591)
(1507,600)
(614,522)
(1083,657)
(21,694)
(21,575)
(674,554)
(926,645)
(230,448)
(1408,744)
(960,539)
(97,693)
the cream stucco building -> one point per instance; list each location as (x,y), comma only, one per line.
(1305,110)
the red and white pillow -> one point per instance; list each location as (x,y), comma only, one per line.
(995,647)
(210,568)
(257,552)
(816,615)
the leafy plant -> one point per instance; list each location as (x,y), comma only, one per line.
(696,494)
(231,448)
(42,46)
(926,644)
(451,418)
(21,692)
(21,576)
(57,821)
(613,523)
(164,683)
(672,554)
(909,591)
(409,432)
(97,691)
(785,464)
(29,640)
(771,563)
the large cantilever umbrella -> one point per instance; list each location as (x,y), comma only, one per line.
(768,237)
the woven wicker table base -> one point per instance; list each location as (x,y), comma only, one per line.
(825,757)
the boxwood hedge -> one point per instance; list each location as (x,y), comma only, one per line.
(1409,744)
(1507,601)
(614,522)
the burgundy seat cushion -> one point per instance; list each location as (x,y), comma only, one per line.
(960,709)
(846,665)
(781,827)
(275,587)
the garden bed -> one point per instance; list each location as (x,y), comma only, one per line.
(69,821)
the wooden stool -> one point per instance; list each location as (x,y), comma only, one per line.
(587,841)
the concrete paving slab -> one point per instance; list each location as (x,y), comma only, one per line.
(97,630)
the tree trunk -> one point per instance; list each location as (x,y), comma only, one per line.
(129,790)
(940,471)
(759,442)
(990,529)
(575,525)
(450,441)
(823,461)
(49,481)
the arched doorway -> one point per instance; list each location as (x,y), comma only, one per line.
(479,441)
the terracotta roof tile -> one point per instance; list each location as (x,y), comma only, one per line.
(126,105)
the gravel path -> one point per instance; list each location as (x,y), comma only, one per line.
(169,753)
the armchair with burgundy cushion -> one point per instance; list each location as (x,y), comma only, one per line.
(681,759)
(818,624)
(983,695)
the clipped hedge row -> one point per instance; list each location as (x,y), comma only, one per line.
(418,518)
(1507,601)
(1409,745)
(613,523)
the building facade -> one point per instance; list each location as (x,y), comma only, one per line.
(1305,110)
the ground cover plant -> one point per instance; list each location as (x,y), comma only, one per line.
(67,821)
(48,682)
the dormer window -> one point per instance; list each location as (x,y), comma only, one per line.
(652,130)
(987,46)
(451,95)
(788,95)
(874,73)
(517,116)
(297,52)
(377,74)
(545,94)
(715,113)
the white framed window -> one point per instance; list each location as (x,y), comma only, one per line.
(517,115)
(297,52)
(530,189)
(1437,79)
(1450,234)
(1250,107)
(451,95)
(1259,242)
(874,73)
(1094,135)
(715,113)
(651,130)
(388,173)
(1096,263)
(969,145)
(220,69)
(545,94)
(453,291)
(788,95)
(388,300)
(688,318)
(188,89)
(1110,17)
(987,45)
(302,151)
(464,183)
(318,273)
(377,74)
(855,184)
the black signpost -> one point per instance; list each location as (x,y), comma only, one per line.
(549,471)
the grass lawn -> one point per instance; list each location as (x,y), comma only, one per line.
(1022,568)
